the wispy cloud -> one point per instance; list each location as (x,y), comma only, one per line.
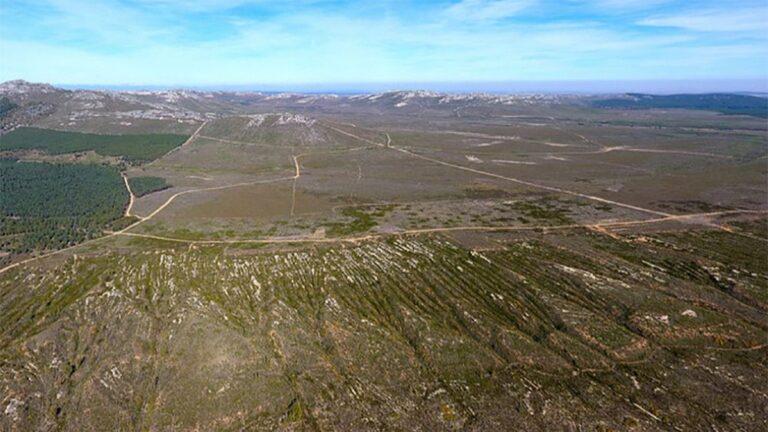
(626,5)
(487,10)
(223,5)
(176,42)
(751,19)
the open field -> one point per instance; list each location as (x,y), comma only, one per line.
(396,262)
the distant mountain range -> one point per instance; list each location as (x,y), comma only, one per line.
(27,100)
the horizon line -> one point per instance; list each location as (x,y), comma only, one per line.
(663,86)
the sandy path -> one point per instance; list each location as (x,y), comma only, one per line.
(132,197)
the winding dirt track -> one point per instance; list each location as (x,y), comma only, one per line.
(294,177)
(602,148)
(661,216)
(132,197)
(499,176)
(389,145)
(142,219)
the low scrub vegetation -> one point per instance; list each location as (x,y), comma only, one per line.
(362,220)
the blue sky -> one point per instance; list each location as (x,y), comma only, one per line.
(242,42)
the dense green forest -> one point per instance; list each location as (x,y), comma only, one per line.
(133,148)
(6,106)
(722,103)
(145,185)
(50,206)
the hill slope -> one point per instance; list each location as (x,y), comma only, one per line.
(413,333)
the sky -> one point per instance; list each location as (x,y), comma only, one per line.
(324,44)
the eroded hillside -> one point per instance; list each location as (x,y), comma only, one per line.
(660,331)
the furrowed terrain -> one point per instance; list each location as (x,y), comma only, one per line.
(403,261)
(410,333)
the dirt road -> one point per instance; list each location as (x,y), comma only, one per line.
(662,216)
(507,228)
(142,219)
(189,140)
(138,222)
(132,197)
(499,176)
